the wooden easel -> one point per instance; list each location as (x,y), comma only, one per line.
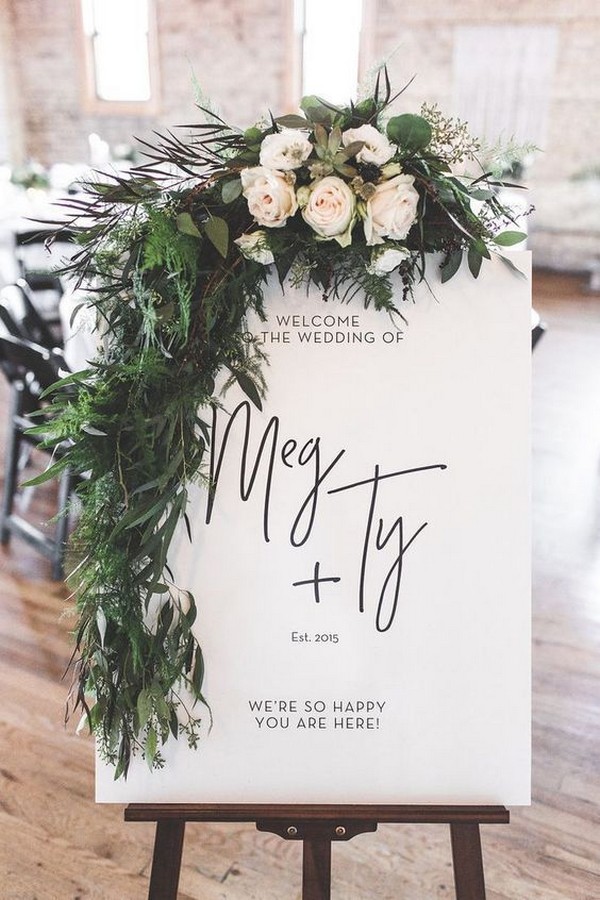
(317,826)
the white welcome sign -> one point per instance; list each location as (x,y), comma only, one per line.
(362,570)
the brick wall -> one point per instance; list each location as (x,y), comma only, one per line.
(10,123)
(565,227)
(423,35)
(237,51)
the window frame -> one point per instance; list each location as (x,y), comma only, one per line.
(94,104)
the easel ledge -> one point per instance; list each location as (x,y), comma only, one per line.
(317,825)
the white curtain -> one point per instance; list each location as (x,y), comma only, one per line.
(503,79)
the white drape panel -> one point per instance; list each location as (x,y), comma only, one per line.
(503,78)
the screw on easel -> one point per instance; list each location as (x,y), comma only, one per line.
(292,831)
(340,831)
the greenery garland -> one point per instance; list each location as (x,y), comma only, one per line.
(173,258)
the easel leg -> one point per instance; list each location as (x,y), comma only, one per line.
(468,862)
(316,870)
(166,862)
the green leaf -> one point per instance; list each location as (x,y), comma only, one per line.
(198,677)
(316,110)
(186,225)
(144,707)
(47,475)
(217,231)
(192,612)
(474,260)
(151,742)
(73,378)
(231,190)
(248,387)
(138,513)
(253,136)
(292,121)
(509,238)
(451,266)
(95,432)
(411,132)
(120,768)
(481,248)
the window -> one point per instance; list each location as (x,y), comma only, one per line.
(118,38)
(331,31)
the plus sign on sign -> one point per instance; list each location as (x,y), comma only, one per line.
(361,562)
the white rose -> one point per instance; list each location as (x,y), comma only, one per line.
(255,246)
(377,148)
(391,211)
(331,210)
(286,150)
(271,200)
(386,260)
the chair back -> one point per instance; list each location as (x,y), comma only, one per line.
(21,318)
(36,258)
(30,368)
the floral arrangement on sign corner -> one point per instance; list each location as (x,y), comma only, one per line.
(173,256)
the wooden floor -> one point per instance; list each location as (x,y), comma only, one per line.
(55,844)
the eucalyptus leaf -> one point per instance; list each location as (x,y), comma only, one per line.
(292,121)
(451,266)
(231,190)
(509,238)
(316,111)
(144,707)
(151,745)
(409,131)
(217,231)
(186,225)
(198,677)
(474,260)
(253,136)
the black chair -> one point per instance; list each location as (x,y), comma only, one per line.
(21,318)
(30,369)
(538,329)
(36,266)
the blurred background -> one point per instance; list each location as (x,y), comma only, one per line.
(80,78)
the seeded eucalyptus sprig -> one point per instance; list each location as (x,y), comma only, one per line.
(173,257)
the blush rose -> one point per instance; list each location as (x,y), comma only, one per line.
(331,210)
(391,211)
(271,198)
